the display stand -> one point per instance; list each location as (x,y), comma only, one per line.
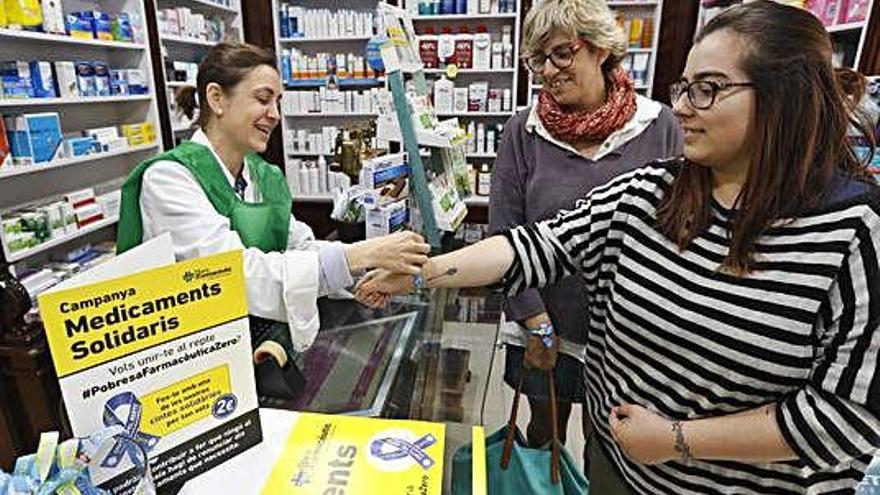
(29,186)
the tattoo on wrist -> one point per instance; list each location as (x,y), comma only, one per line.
(681,444)
(448,273)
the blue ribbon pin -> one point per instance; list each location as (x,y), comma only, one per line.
(402,448)
(131,424)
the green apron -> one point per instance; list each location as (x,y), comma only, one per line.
(261,225)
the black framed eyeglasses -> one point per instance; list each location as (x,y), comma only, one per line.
(702,94)
(561,57)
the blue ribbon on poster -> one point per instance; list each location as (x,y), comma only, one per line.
(401,448)
(131,424)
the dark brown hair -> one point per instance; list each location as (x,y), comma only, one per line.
(798,131)
(225,64)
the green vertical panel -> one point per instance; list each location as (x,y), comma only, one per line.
(418,179)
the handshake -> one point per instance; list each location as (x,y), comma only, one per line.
(394,262)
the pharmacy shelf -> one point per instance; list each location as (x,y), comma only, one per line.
(640,50)
(463,17)
(187,41)
(337,39)
(480,155)
(851,26)
(16,34)
(42,102)
(211,5)
(8,172)
(471,71)
(475,114)
(331,115)
(57,241)
(351,82)
(178,84)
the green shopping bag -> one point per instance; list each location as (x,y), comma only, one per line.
(514,468)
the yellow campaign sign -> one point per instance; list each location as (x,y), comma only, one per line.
(93,324)
(328,454)
(183,403)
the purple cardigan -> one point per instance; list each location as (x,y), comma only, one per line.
(533,179)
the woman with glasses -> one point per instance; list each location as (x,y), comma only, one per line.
(588,126)
(734,294)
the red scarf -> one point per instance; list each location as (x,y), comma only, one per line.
(591,125)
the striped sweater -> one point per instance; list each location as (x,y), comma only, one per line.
(670,331)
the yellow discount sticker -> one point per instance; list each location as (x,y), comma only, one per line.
(183,403)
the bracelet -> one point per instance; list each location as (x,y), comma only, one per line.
(418,283)
(681,445)
(544,332)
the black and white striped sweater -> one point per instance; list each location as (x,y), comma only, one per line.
(672,332)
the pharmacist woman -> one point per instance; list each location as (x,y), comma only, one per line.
(734,294)
(588,126)
(214,194)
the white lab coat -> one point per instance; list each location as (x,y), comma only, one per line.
(280,286)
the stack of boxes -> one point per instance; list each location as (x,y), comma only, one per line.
(184,23)
(33,139)
(34,225)
(65,79)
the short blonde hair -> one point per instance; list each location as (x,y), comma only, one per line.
(591,20)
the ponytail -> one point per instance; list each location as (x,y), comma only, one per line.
(187,101)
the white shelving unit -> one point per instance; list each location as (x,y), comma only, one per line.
(498,78)
(652,9)
(314,122)
(187,49)
(25,186)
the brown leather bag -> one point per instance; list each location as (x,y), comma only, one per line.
(511,423)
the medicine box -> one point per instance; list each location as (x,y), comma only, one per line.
(65,72)
(15,79)
(41,79)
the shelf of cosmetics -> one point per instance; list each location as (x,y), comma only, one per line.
(48,16)
(35,139)
(839,12)
(321,141)
(27,229)
(21,80)
(303,23)
(182,22)
(638,28)
(451,7)
(447,98)
(298,67)
(480,50)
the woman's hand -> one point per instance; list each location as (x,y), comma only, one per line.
(403,252)
(643,436)
(379,285)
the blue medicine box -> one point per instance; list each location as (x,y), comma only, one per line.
(85,79)
(42,80)
(44,130)
(102,78)
(15,79)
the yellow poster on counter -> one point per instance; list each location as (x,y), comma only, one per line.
(163,353)
(328,454)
